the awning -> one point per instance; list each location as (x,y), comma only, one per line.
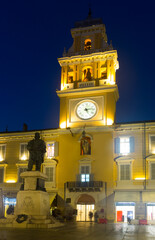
(127,196)
(51,197)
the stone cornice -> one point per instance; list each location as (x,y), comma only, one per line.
(97,56)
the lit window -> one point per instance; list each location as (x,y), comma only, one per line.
(152,144)
(24,154)
(85,173)
(87,44)
(2,152)
(50,150)
(124,145)
(125,172)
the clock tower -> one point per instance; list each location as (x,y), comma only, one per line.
(88,93)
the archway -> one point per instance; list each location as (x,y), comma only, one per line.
(85,205)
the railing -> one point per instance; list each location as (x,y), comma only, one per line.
(91,184)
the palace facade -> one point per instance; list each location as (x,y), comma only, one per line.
(92,162)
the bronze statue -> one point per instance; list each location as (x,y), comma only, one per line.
(37,149)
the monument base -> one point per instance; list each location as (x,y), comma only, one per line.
(33,206)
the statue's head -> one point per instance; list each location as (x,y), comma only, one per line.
(37,135)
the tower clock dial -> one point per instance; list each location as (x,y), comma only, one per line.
(86,110)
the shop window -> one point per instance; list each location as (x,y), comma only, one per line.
(85,144)
(21,170)
(87,44)
(1,174)
(152,144)
(51,149)
(24,153)
(124,145)
(2,152)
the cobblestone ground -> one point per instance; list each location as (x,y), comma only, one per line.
(83,231)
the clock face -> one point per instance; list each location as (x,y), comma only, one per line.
(86,110)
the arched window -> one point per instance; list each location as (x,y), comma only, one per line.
(87,44)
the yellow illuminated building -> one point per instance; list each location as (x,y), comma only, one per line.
(92,163)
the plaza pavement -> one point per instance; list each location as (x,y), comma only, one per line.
(83,231)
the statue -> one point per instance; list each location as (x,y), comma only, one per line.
(87,75)
(37,149)
(85,145)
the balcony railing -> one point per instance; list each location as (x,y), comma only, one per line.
(78,186)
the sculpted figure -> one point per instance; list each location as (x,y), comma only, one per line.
(85,145)
(37,149)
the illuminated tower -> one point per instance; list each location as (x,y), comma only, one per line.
(88,93)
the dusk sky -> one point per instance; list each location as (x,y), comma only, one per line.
(33,35)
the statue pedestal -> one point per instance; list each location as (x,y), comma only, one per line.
(33,206)
(33,200)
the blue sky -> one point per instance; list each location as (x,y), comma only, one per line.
(33,35)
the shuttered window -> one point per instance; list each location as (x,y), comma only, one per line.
(152,144)
(2,152)
(51,149)
(21,170)
(153,171)
(124,145)
(125,172)
(49,171)
(24,154)
(1,174)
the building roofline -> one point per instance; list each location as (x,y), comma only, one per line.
(135,122)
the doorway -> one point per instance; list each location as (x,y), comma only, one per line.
(83,212)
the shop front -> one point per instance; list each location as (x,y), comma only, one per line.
(125,211)
(85,206)
(7,203)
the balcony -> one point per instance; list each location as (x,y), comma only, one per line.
(78,186)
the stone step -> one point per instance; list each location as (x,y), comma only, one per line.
(35,225)
(39,217)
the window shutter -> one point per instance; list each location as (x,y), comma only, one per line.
(152,143)
(3,152)
(153,171)
(21,170)
(132,144)
(49,172)
(1,174)
(124,172)
(56,149)
(22,149)
(117,145)
(91,177)
(78,177)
